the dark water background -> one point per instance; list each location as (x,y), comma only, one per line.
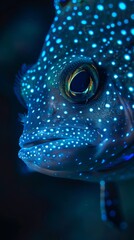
(34,206)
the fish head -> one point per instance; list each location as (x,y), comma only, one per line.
(80,93)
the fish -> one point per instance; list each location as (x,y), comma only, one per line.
(79,97)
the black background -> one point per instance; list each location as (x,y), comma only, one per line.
(32,205)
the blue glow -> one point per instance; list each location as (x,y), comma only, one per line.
(100,7)
(122,6)
(91,32)
(114,14)
(71,28)
(132,31)
(123,32)
(84,22)
(58,40)
(127,57)
(128,157)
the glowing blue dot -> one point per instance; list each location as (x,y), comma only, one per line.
(130,74)
(87,8)
(115,76)
(127,57)
(104,40)
(71,28)
(51,49)
(96,16)
(82,49)
(132,16)
(58,40)
(80,32)
(123,32)
(79,13)
(43,54)
(126,21)
(94,45)
(75,40)
(60,28)
(122,5)
(48,43)
(69,18)
(119,42)
(114,14)
(91,32)
(83,22)
(100,7)
(132,31)
(28,86)
(73,118)
(111,51)
(107,105)
(131,89)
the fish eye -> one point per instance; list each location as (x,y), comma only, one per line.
(81,85)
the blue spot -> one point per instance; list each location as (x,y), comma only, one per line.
(132,16)
(100,7)
(127,57)
(94,45)
(114,14)
(51,49)
(131,89)
(71,28)
(75,40)
(79,13)
(119,42)
(122,6)
(58,40)
(91,32)
(132,31)
(130,74)
(69,18)
(84,22)
(43,54)
(123,32)
(87,8)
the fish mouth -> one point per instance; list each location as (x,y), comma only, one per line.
(39,142)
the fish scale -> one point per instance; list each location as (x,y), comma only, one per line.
(79,96)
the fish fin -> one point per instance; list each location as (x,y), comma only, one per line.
(110,205)
(17,84)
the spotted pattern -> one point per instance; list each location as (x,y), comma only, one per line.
(92,140)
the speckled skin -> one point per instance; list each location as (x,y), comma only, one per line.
(92,140)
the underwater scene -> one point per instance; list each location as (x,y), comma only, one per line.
(67,119)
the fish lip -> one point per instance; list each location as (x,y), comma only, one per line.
(40,141)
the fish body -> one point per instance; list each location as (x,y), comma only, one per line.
(80,94)
(88,140)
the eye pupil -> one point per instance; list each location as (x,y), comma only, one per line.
(80,82)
